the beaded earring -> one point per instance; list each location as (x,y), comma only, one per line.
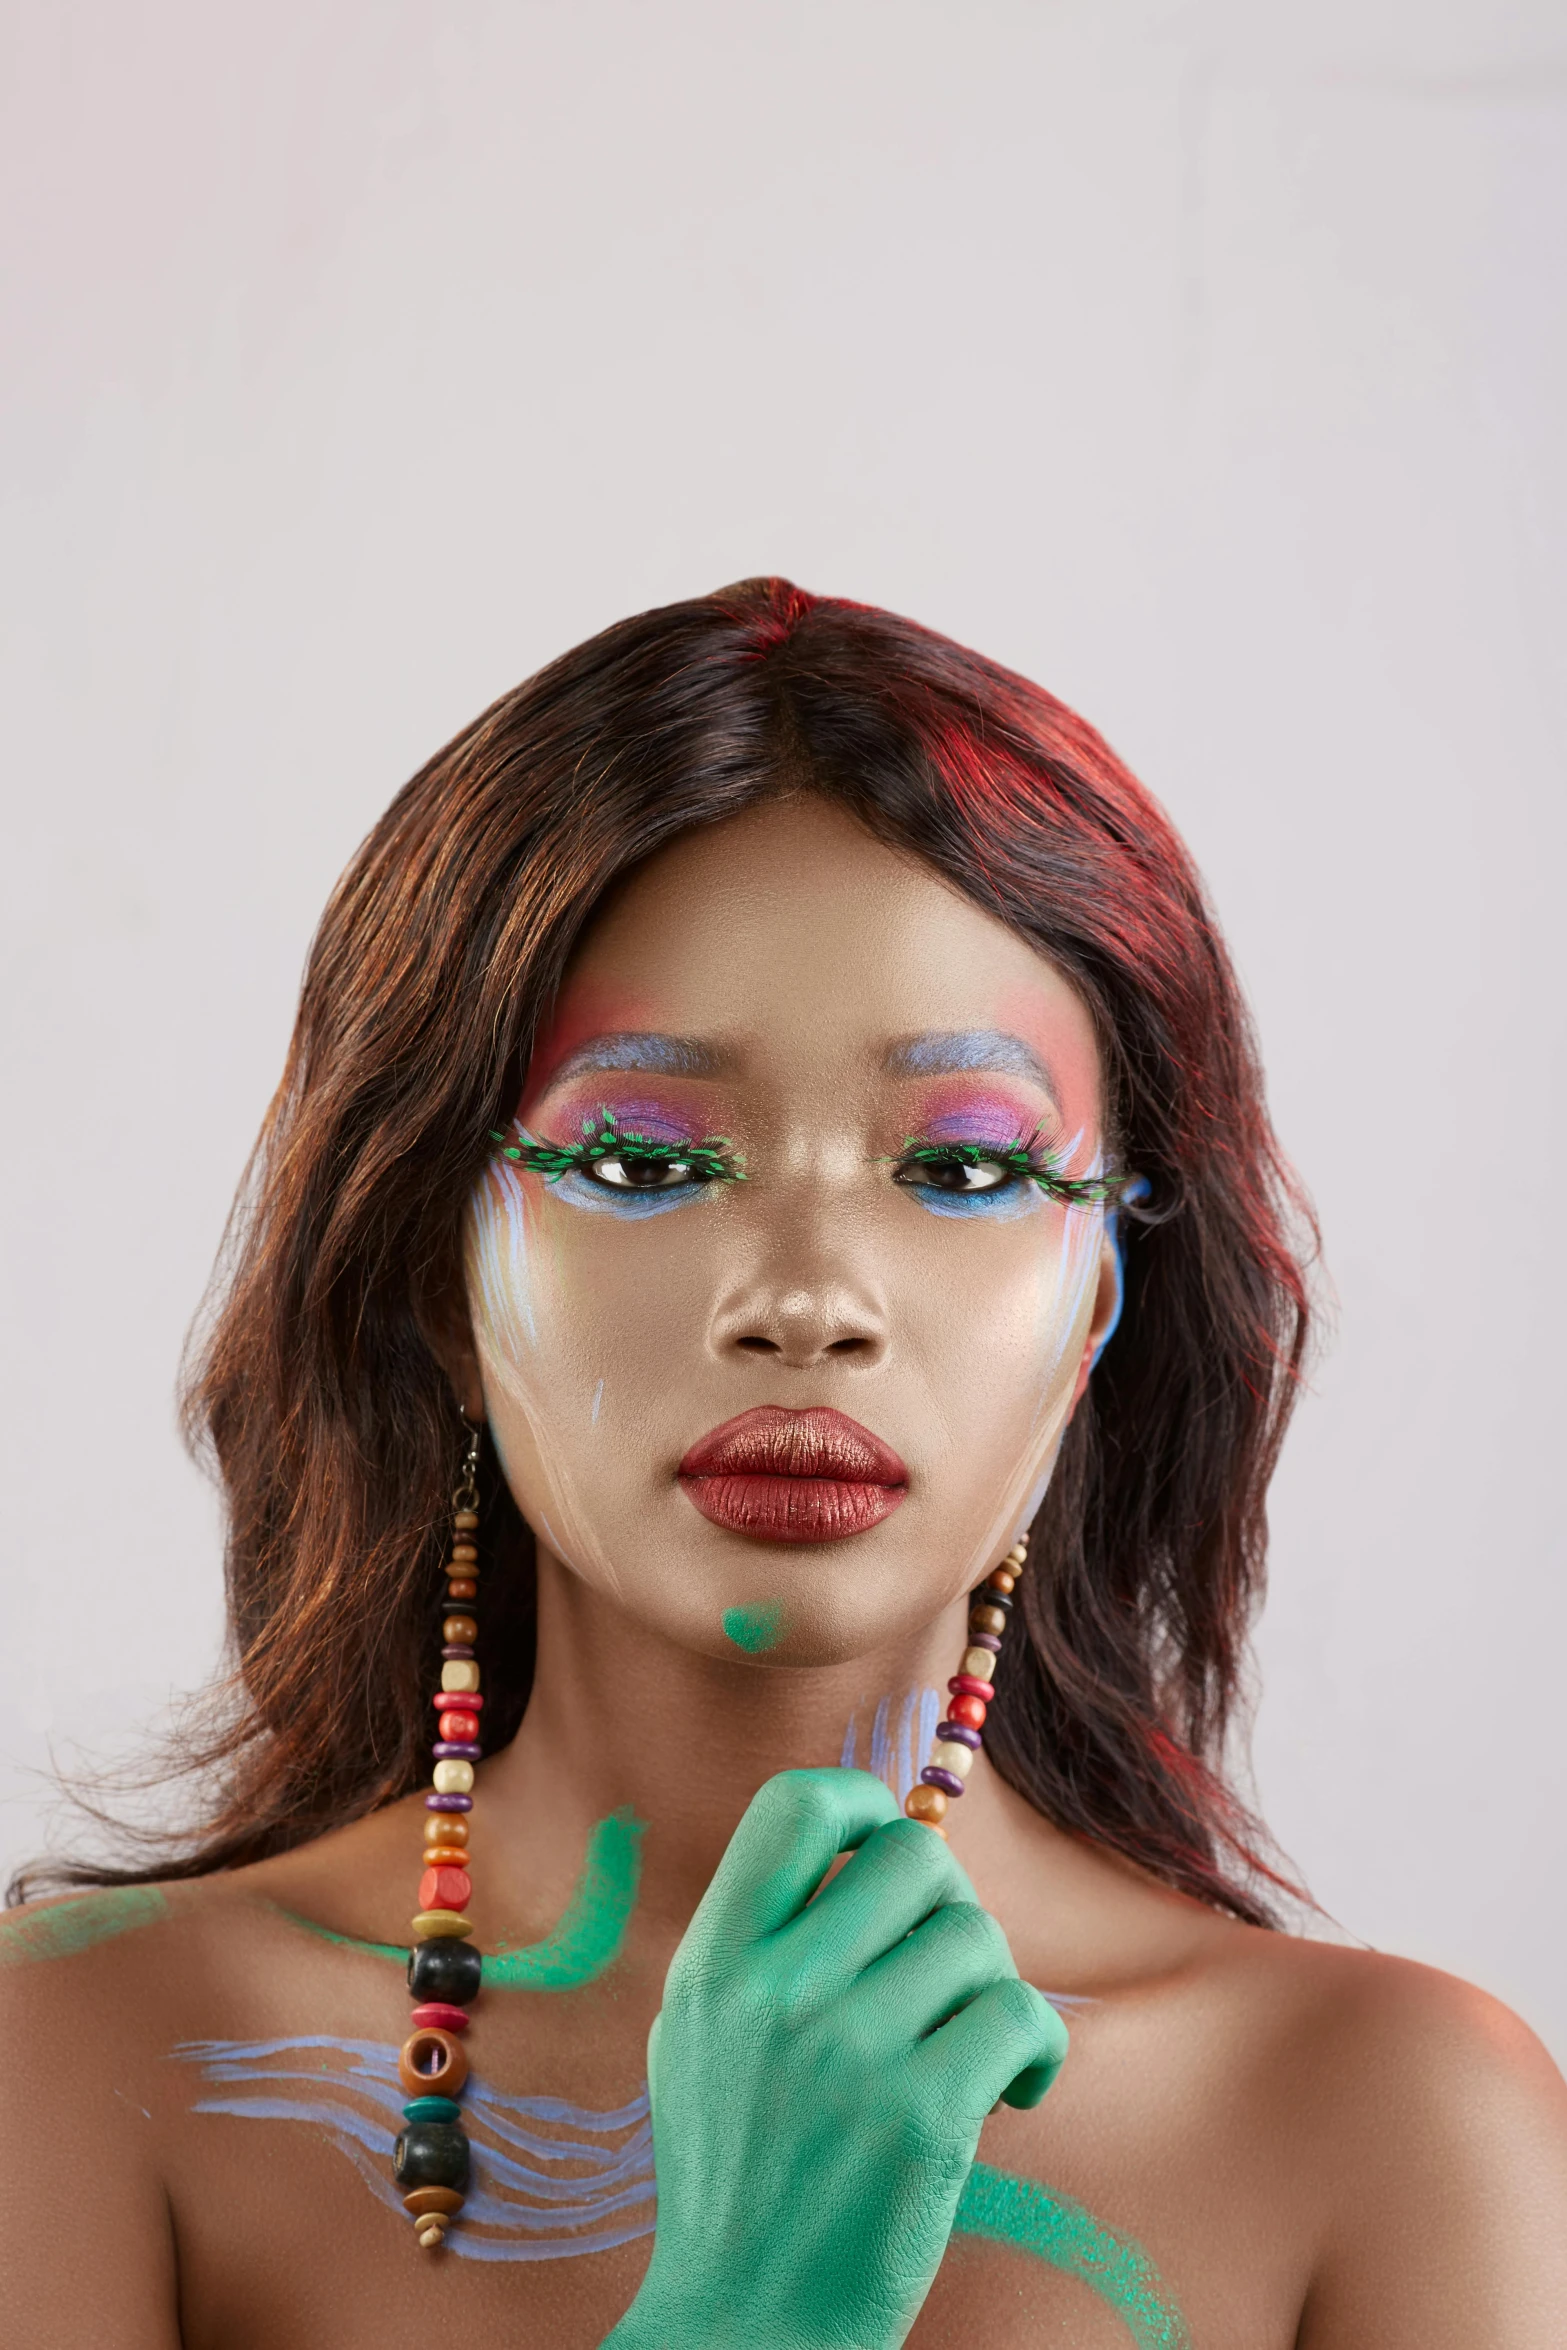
(972,1687)
(430,2160)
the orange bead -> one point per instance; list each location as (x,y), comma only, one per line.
(445,1827)
(443,1856)
(441,1888)
(462,1587)
(432,2064)
(926,1803)
(1003,1580)
(421,2201)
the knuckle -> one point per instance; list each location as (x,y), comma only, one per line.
(791,1800)
(972,1929)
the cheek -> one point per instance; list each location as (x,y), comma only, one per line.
(575,1329)
(1004,1332)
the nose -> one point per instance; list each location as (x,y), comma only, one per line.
(804,1303)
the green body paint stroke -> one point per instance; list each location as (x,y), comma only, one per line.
(67,1927)
(1002,2209)
(585,1939)
(754,1628)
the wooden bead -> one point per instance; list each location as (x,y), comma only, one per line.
(926,1803)
(432,2064)
(980,1619)
(979,1662)
(425,2201)
(465,1521)
(460,1629)
(432,2154)
(431,1924)
(461,1587)
(461,1674)
(999,1580)
(463,1554)
(946,1756)
(444,1827)
(970,1711)
(438,2015)
(1017,1555)
(445,1970)
(444,1856)
(459,1726)
(452,1778)
(430,2234)
(445,1889)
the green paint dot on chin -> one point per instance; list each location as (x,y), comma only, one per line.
(754,1628)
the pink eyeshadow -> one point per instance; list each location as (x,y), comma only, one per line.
(633,1112)
(977,1118)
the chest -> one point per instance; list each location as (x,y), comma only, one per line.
(1135,2207)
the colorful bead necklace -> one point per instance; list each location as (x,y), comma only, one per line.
(430,2160)
(972,1687)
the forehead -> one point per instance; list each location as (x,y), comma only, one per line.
(789,935)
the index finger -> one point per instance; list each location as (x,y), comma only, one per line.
(793,1830)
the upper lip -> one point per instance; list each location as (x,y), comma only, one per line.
(774,1442)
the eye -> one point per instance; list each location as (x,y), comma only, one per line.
(965,1176)
(626,1173)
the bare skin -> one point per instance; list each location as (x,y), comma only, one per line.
(1315,2147)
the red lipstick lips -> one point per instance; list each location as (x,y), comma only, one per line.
(781,1476)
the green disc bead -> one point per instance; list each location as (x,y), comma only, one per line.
(433,2109)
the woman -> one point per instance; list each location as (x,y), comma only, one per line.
(774,1074)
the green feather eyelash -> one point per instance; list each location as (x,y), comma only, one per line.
(1029,1159)
(710,1161)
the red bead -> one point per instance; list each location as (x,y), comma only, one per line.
(459,1729)
(965,1685)
(445,1889)
(436,2016)
(970,1711)
(469,1699)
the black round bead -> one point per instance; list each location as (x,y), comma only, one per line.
(445,1969)
(431,2154)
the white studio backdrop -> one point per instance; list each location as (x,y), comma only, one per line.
(1205,362)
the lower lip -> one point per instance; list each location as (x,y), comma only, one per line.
(792,1509)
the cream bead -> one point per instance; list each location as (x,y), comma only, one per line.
(981,1664)
(453,1778)
(460,1672)
(947,1755)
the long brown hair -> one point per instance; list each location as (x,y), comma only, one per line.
(313,1379)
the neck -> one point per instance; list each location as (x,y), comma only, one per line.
(622,1717)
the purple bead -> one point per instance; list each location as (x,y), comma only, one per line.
(457,1652)
(947,1781)
(985,1640)
(448,1803)
(456,1749)
(956,1734)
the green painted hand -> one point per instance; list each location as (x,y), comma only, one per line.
(820,2073)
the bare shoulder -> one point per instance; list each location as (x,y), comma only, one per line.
(1429,2134)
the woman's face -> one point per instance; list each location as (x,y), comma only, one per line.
(898,1322)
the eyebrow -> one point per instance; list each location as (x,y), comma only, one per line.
(645,1050)
(948,1052)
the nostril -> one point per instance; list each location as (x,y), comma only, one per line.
(848,1346)
(758,1346)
